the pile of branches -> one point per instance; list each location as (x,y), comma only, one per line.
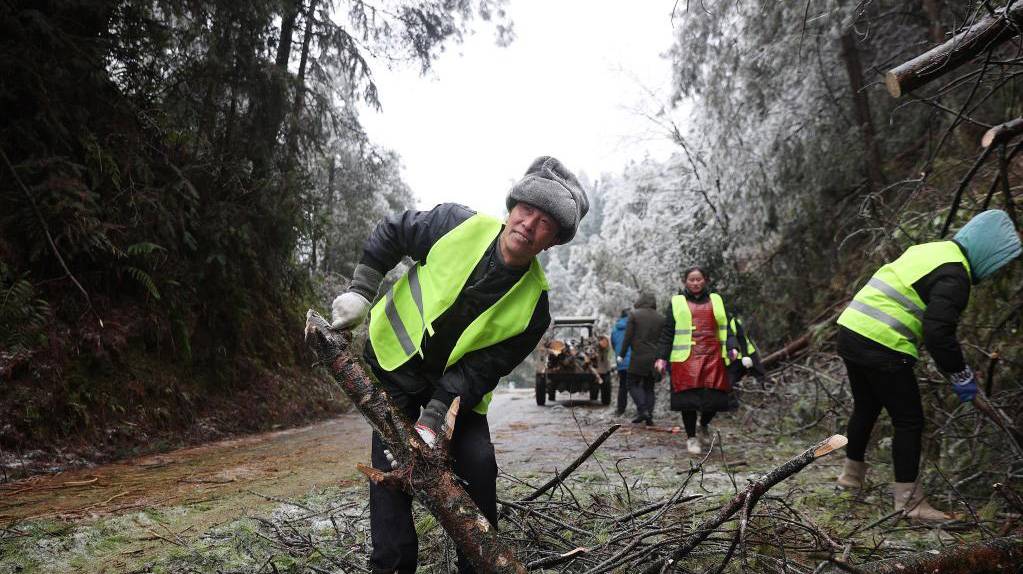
(555,527)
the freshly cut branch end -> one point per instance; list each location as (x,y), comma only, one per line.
(1002,133)
(830,445)
(891,81)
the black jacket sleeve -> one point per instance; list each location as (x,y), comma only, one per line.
(477,373)
(411,234)
(731,339)
(667,334)
(946,290)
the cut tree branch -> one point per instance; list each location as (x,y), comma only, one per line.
(985,35)
(1002,133)
(748,498)
(575,464)
(995,555)
(422,470)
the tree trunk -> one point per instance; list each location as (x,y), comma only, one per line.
(423,471)
(296,111)
(861,105)
(985,35)
(996,555)
(270,101)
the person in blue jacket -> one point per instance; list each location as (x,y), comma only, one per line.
(617,336)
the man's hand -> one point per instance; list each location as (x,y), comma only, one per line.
(430,421)
(964,383)
(348,311)
(733,354)
(747,362)
(660,365)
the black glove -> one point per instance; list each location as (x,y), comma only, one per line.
(430,421)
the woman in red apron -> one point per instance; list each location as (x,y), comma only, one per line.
(696,346)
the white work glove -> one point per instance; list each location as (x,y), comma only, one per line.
(348,311)
(747,362)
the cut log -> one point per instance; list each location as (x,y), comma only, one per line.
(996,555)
(423,471)
(796,347)
(748,498)
(987,34)
(793,349)
(1002,133)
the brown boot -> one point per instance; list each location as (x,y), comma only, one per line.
(853,474)
(910,496)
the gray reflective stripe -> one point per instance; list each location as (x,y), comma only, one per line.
(417,293)
(884,318)
(683,331)
(890,291)
(396,325)
(680,347)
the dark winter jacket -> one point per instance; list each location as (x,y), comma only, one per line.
(668,330)
(946,292)
(617,336)
(641,332)
(412,234)
(736,370)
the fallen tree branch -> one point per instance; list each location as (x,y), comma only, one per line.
(423,471)
(748,498)
(1001,420)
(995,555)
(985,35)
(1002,133)
(575,464)
(796,347)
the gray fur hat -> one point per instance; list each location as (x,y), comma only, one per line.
(549,186)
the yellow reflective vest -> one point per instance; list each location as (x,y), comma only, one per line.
(682,343)
(399,321)
(887,310)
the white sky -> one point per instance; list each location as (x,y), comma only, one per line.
(569,86)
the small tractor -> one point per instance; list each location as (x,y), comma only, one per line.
(567,360)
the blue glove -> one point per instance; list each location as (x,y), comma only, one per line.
(964,383)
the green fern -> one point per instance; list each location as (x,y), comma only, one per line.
(142,249)
(23,315)
(144,279)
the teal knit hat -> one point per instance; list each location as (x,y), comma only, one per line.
(990,241)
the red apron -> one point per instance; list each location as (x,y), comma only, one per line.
(705,368)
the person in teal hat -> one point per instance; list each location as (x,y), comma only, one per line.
(916,299)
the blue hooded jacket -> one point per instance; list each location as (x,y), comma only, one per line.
(990,242)
(617,336)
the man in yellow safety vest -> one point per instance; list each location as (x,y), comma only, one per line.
(470,309)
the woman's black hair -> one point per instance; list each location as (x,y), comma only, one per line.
(685,274)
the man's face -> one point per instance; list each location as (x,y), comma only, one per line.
(529,231)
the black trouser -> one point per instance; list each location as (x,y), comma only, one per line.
(395,545)
(623,390)
(642,391)
(689,420)
(897,392)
